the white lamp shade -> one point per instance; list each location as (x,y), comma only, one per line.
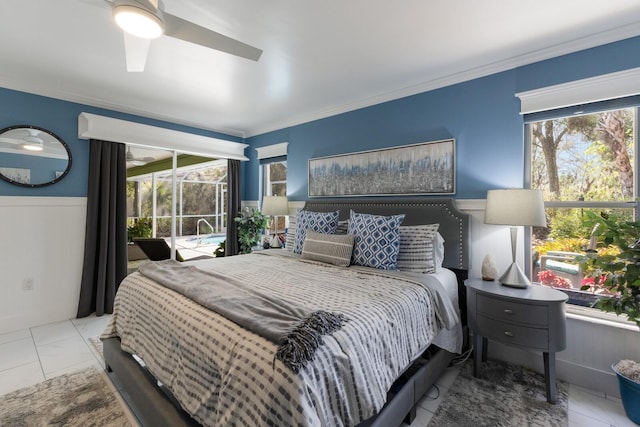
(275,205)
(515,207)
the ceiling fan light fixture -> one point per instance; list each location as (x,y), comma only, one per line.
(33,146)
(139,22)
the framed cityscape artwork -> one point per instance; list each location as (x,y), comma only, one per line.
(425,168)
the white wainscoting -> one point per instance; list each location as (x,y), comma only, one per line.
(42,242)
(43,239)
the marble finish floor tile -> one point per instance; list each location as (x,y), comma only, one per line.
(17,353)
(32,355)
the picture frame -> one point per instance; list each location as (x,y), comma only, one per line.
(427,168)
(17,175)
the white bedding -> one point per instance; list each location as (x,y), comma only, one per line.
(224,375)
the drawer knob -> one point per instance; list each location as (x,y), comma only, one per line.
(509,334)
(508,311)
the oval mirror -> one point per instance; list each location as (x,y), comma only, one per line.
(32,156)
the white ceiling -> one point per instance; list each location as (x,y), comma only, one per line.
(320,58)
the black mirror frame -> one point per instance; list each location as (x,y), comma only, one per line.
(44,184)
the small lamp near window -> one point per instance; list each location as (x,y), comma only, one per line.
(275,206)
(515,207)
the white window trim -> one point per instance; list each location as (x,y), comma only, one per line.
(116,130)
(275,150)
(594,89)
(595,315)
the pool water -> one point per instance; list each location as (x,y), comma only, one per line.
(211,239)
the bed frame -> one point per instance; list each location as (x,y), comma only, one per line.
(154,406)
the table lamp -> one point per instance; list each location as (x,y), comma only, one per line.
(275,206)
(515,207)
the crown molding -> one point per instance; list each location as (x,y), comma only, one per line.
(63,95)
(438,82)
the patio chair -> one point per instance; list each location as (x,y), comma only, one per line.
(157,249)
(563,264)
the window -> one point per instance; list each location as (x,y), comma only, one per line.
(201,199)
(275,184)
(581,161)
(275,178)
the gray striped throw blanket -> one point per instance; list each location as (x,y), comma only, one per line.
(296,330)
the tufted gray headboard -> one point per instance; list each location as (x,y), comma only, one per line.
(454,224)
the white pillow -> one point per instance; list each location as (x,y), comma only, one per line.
(438,250)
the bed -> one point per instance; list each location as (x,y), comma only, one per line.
(294,399)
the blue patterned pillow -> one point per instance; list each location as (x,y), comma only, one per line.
(377,240)
(320,222)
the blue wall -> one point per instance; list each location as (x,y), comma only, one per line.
(61,118)
(481,114)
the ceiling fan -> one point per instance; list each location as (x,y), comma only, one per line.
(137,161)
(30,141)
(144,20)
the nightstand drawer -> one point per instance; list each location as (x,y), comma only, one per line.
(513,334)
(512,311)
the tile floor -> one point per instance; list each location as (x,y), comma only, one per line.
(33,355)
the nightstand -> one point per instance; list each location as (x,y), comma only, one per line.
(531,318)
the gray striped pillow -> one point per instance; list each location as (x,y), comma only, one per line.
(416,248)
(291,234)
(343,226)
(333,249)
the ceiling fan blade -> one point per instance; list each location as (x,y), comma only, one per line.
(136,51)
(188,31)
(11,140)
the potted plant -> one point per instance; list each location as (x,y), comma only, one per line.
(250,222)
(220,250)
(139,227)
(619,274)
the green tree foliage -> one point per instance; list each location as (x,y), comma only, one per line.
(203,190)
(586,157)
(618,272)
(139,227)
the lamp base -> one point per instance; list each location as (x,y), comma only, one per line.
(514,277)
(275,242)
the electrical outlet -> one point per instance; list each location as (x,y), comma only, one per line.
(27,284)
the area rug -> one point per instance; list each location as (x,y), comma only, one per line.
(503,395)
(81,399)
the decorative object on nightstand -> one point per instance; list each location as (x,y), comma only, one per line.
(532,319)
(489,268)
(515,207)
(275,206)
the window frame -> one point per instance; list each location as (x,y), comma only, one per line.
(592,108)
(267,184)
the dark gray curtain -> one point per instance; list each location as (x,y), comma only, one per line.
(105,245)
(233,206)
